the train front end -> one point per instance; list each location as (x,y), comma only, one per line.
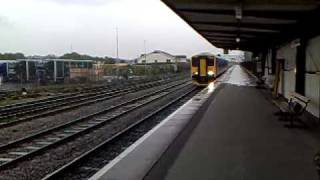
(203,70)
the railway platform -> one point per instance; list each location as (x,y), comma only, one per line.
(231,133)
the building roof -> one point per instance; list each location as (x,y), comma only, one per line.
(7,61)
(257,23)
(163,52)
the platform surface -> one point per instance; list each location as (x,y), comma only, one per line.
(229,134)
(136,161)
(238,137)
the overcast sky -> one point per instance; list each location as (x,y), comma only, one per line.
(52,26)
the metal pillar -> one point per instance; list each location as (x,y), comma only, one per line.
(63,69)
(69,69)
(55,71)
(263,62)
(27,70)
(145,57)
(7,69)
(301,67)
(273,60)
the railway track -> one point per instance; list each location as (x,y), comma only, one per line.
(26,148)
(92,90)
(45,108)
(14,109)
(3,94)
(25,104)
(88,163)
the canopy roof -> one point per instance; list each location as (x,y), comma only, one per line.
(249,24)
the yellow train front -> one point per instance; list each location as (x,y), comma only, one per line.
(206,68)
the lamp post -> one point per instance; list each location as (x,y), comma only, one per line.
(117,41)
(145,58)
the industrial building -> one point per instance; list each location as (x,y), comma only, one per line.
(46,69)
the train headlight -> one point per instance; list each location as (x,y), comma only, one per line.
(195,73)
(210,73)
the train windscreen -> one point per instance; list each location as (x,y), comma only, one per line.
(210,62)
(195,62)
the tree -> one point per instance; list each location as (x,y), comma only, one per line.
(77,56)
(11,56)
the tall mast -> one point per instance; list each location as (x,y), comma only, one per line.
(117,38)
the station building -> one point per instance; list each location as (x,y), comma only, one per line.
(238,132)
(275,35)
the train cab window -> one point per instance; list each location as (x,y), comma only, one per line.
(143,61)
(195,62)
(155,61)
(210,62)
(168,60)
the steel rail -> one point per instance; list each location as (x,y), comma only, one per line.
(24,155)
(89,91)
(94,151)
(81,103)
(33,105)
(86,90)
(56,102)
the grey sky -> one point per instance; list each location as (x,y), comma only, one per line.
(51,26)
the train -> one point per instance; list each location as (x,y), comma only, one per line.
(205,68)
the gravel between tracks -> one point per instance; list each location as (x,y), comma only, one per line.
(39,124)
(54,158)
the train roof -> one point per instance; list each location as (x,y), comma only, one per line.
(208,54)
(204,54)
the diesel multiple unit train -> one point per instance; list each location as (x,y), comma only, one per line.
(205,68)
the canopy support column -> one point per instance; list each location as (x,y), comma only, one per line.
(300,67)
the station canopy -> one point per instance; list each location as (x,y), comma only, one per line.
(250,25)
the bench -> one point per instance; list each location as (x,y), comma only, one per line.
(293,109)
